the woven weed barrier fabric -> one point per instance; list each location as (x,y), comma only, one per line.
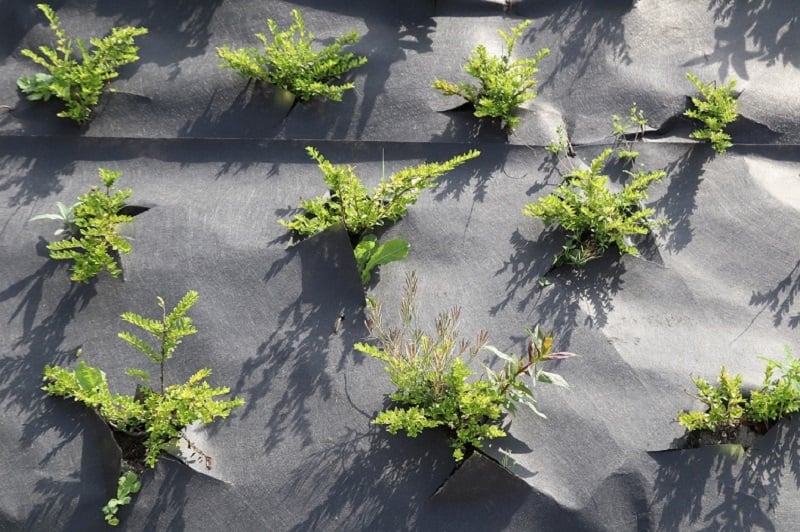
(217,160)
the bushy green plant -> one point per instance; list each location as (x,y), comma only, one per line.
(127,485)
(779,394)
(90,231)
(161,413)
(636,121)
(725,402)
(431,374)
(370,254)
(359,211)
(290,62)
(727,407)
(594,217)
(78,81)
(504,84)
(716,108)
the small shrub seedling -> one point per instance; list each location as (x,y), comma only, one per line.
(593,217)
(90,230)
(290,62)
(370,254)
(504,84)
(158,413)
(350,204)
(636,121)
(715,109)
(129,484)
(78,84)
(431,374)
(561,144)
(728,408)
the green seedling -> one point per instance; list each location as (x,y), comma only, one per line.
(129,484)
(505,84)
(290,62)
(370,254)
(159,413)
(77,74)
(349,202)
(636,121)
(716,108)
(90,229)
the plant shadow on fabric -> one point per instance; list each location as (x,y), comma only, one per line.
(746,491)
(30,176)
(780,299)
(353,481)
(567,293)
(253,100)
(679,201)
(763,30)
(74,502)
(41,342)
(288,371)
(167,510)
(360,473)
(585,30)
(182,23)
(457,183)
(465,127)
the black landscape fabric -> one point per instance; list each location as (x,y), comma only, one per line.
(217,160)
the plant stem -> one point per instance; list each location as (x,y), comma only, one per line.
(163,346)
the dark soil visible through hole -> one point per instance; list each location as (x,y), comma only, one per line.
(131,443)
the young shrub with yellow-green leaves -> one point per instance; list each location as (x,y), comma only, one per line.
(358,210)
(716,108)
(90,230)
(728,408)
(505,84)
(593,217)
(156,412)
(79,84)
(290,62)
